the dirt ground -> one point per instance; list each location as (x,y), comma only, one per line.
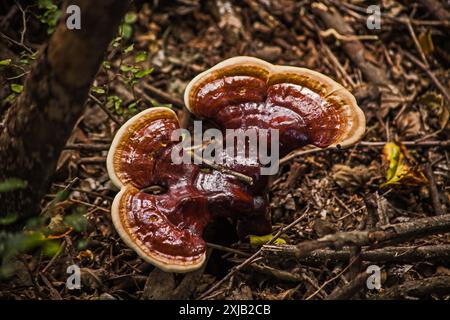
(400,76)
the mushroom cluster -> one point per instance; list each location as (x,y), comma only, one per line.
(165,229)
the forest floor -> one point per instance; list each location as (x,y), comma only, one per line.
(400,76)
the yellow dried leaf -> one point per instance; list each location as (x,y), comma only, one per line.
(426,42)
(257,241)
(85,254)
(400,170)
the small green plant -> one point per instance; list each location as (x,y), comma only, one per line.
(50,14)
(41,235)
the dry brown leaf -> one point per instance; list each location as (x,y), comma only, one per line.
(351,178)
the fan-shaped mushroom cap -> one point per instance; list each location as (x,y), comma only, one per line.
(159,229)
(306,106)
(166,229)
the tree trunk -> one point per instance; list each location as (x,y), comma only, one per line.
(38,125)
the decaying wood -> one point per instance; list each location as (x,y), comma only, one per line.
(402,254)
(349,290)
(417,288)
(389,233)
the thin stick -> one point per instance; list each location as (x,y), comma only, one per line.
(161,95)
(433,190)
(253,257)
(332,279)
(376,144)
(416,42)
(430,74)
(102,106)
(241,177)
(87,147)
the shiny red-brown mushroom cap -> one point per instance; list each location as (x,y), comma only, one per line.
(166,229)
(306,107)
(161,230)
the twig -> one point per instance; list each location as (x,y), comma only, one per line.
(430,74)
(416,42)
(433,190)
(240,176)
(24,22)
(331,280)
(376,144)
(253,257)
(354,49)
(386,234)
(226,249)
(263,14)
(417,143)
(161,95)
(341,37)
(406,254)
(299,153)
(390,17)
(87,147)
(437,9)
(349,290)
(439,284)
(17,43)
(105,109)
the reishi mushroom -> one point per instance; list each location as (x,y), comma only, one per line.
(239,93)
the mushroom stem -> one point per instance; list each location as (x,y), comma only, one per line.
(241,177)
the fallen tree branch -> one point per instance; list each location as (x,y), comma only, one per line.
(417,288)
(389,233)
(406,254)
(252,258)
(349,290)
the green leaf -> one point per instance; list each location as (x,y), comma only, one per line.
(116,42)
(130,17)
(114,102)
(257,241)
(399,169)
(77,221)
(51,248)
(5,62)
(128,68)
(8,219)
(107,65)
(12,184)
(10,98)
(129,49)
(16,88)
(141,56)
(98,90)
(126,31)
(143,73)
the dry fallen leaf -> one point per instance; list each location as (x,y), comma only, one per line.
(409,124)
(436,103)
(400,167)
(351,178)
(426,42)
(257,241)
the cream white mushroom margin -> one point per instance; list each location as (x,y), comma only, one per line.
(155,259)
(356,121)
